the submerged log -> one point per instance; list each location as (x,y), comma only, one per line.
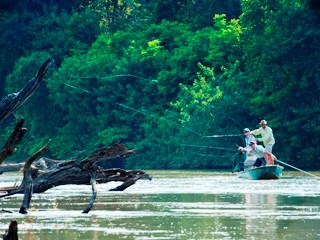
(28,179)
(43,174)
(85,172)
(12,233)
(11,167)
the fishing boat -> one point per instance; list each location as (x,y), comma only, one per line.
(263,172)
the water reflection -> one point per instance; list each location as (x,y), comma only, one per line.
(175,205)
(258,205)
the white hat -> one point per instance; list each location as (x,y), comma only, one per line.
(263,122)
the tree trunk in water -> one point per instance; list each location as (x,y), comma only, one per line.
(12,233)
(85,172)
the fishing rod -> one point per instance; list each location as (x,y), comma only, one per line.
(277,160)
(225,135)
(310,174)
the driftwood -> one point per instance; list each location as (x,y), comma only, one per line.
(64,172)
(29,173)
(12,233)
(11,167)
(42,174)
(48,173)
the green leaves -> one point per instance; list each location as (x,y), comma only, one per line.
(162,80)
(198,97)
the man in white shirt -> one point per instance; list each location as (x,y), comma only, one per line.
(258,150)
(268,140)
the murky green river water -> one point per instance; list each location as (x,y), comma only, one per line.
(174,205)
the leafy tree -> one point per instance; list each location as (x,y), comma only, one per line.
(28,26)
(57,35)
(198,14)
(122,74)
(119,15)
(282,64)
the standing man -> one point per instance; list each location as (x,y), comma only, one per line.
(268,140)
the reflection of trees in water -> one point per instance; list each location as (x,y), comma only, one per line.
(260,219)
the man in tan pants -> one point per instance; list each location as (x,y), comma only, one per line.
(268,140)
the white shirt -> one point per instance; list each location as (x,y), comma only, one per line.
(258,151)
(266,135)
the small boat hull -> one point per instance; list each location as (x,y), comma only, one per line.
(261,173)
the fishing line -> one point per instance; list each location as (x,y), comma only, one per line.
(201,146)
(177,124)
(152,115)
(82,89)
(116,76)
(209,155)
(138,111)
(162,118)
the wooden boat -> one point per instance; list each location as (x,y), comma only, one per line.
(263,172)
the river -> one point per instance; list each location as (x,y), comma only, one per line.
(174,205)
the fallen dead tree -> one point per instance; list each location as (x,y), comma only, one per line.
(41,174)
(65,172)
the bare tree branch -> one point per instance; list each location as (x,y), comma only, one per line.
(14,101)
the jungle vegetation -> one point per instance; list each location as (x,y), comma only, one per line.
(175,80)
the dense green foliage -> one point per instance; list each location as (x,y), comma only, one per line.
(168,78)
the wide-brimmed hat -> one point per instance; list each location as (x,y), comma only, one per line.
(263,122)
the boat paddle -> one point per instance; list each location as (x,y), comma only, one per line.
(310,174)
